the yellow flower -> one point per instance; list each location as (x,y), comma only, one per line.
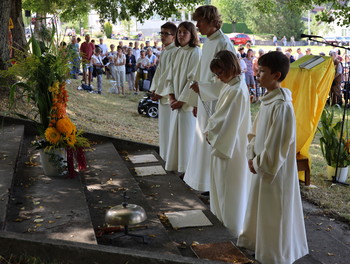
(65,126)
(52,135)
(71,140)
(54,88)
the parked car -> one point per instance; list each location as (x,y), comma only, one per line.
(240,38)
(148,107)
(336,40)
(340,40)
(331,40)
(347,40)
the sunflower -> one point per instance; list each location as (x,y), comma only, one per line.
(71,140)
(65,126)
(52,135)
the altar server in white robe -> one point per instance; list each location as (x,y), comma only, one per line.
(182,122)
(167,35)
(274,223)
(209,23)
(226,133)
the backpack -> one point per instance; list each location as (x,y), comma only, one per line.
(86,87)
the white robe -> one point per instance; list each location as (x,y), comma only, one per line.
(197,173)
(227,131)
(274,223)
(158,85)
(182,122)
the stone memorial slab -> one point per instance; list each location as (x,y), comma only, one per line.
(135,159)
(190,218)
(150,170)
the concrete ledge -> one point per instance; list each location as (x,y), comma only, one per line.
(74,252)
(119,143)
(9,153)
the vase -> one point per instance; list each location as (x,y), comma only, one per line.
(342,173)
(53,162)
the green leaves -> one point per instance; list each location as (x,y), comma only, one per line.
(36,72)
(333,9)
(330,138)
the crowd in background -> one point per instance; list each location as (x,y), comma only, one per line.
(249,57)
(135,63)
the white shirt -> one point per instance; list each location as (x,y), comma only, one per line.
(144,62)
(104,49)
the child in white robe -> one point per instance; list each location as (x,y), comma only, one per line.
(208,22)
(226,132)
(274,223)
(182,122)
(167,36)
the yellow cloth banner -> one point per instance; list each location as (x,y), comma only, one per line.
(310,89)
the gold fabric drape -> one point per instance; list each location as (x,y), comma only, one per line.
(310,89)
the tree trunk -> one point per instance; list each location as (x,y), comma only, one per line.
(40,24)
(19,39)
(5,7)
(233,26)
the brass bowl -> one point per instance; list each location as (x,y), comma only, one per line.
(130,214)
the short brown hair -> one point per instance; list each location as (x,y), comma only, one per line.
(277,62)
(208,13)
(171,26)
(227,61)
(194,42)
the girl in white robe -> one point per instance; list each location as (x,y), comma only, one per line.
(182,122)
(274,223)
(226,132)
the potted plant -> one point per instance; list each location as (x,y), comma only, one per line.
(41,76)
(330,131)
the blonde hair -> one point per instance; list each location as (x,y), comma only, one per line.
(208,13)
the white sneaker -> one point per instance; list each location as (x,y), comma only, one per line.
(80,88)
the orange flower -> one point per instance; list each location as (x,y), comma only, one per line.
(52,135)
(65,126)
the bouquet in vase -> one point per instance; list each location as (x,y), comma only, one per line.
(41,75)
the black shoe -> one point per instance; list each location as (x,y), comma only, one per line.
(205,193)
(181,176)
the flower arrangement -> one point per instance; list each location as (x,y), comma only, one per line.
(42,76)
(330,131)
(61,132)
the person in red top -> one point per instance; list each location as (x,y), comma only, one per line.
(87,50)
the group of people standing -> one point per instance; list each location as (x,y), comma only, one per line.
(131,63)
(205,135)
(283,40)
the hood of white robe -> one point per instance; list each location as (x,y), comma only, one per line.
(283,94)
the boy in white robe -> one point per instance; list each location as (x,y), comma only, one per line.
(209,23)
(226,132)
(274,223)
(182,122)
(167,35)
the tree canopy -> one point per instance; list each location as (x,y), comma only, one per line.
(334,10)
(276,19)
(232,11)
(109,10)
